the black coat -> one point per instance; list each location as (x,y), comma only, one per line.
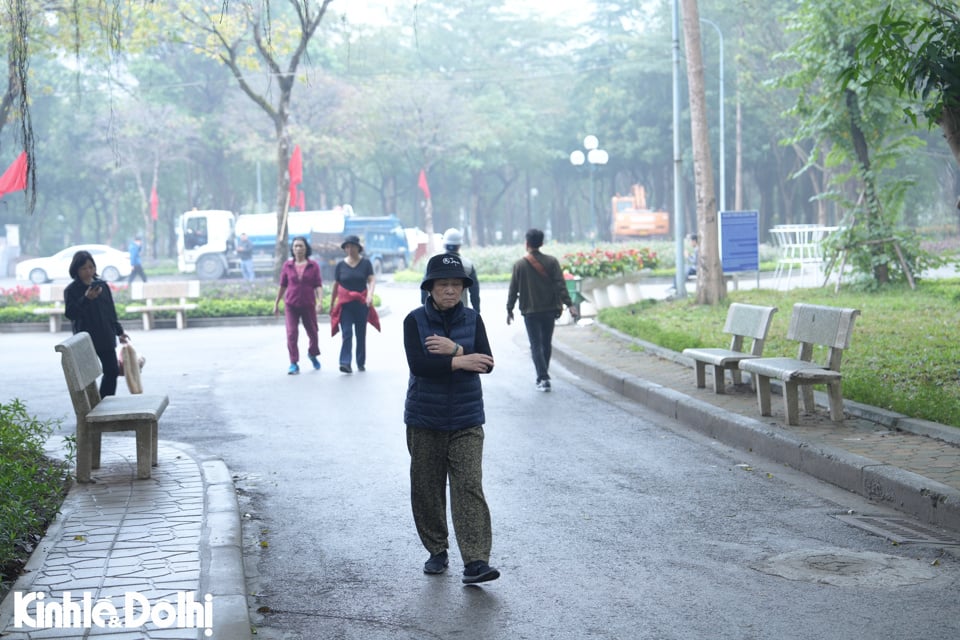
(98,317)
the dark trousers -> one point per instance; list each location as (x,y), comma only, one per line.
(137,271)
(294,316)
(457,455)
(540,333)
(111,370)
(353,320)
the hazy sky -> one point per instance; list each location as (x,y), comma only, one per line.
(571,11)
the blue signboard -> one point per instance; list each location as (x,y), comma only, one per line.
(740,241)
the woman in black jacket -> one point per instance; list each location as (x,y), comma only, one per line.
(89,306)
(447,349)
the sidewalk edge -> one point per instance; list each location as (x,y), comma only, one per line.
(926,499)
(221,552)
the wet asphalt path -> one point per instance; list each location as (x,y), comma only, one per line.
(609,521)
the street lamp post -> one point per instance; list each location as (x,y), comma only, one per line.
(593,157)
(723,162)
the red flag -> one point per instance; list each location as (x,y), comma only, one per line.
(302,201)
(15,177)
(422,183)
(296,173)
(154,203)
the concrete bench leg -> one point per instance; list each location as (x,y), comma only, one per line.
(146,453)
(809,404)
(94,439)
(147,320)
(701,368)
(791,402)
(719,379)
(737,376)
(85,455)
(763,394)
(835,392)
(154,429)
(181,319)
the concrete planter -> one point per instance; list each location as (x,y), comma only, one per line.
(618,291)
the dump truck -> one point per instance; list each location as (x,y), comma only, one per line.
(206,240)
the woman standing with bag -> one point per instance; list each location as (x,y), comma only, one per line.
(302,291)
(88,304)
(350,301)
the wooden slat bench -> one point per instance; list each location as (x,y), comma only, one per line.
(52,293)
(810,325)
(744,321)
(170,295)
(96,415)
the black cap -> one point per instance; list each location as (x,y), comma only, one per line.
(444,265)
(351,240)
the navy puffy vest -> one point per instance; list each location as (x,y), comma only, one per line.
(452,402)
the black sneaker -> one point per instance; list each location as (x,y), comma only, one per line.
(345,368)
(479,571)
(437,563)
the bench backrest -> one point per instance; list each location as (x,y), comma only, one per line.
(830,327)
(81,368)
(163,290)
(748,321)
(52,292)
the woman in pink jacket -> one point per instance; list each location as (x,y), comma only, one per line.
(302,291)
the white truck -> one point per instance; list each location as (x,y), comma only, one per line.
(206,240)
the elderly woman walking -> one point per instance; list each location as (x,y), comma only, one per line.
(447,349)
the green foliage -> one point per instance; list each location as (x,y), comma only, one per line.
(914,48)
(18,314)
(903,355)
(31,484)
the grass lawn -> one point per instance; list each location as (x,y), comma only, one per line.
(904,355)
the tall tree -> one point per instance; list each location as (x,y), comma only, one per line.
(228,39)
(711,288)
(856,128)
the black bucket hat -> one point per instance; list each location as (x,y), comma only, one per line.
(445,265)
(351,240)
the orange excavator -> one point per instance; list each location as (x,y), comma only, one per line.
(632,219)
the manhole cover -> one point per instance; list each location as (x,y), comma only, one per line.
(900,530)
(843,568)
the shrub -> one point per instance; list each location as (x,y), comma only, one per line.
(32,486)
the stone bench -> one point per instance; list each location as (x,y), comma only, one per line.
(170,295)
(811,326)
(95,415)
(52,293)
(744,321)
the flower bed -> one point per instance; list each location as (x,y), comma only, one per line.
(609,277)
(604,263)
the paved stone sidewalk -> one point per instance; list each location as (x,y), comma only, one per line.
(871,453)
(176,535)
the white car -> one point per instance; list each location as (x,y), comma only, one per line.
(111,264)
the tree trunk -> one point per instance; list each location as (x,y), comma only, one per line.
(881,271)
(950,124)
(711,288)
